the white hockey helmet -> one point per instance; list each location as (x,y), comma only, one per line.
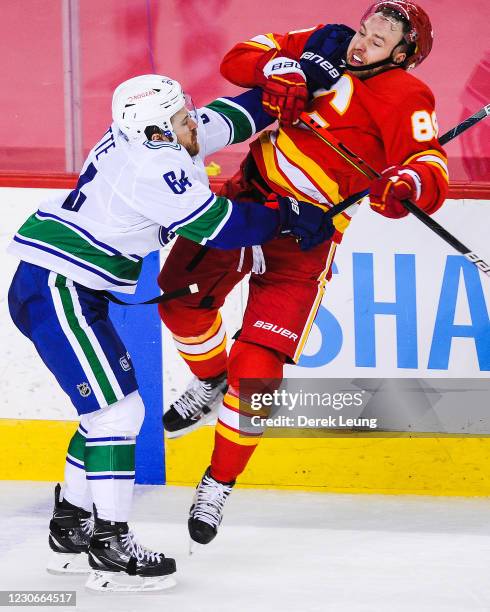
(150,99)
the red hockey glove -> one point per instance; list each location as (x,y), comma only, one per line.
(395,184)
(283,83)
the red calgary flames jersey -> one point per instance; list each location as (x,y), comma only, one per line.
(387,119)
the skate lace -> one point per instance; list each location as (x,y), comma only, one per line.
(196,396)
(210,499)
(87,525)
(138,551)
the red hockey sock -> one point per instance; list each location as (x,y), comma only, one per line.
(233,447)
(200,339)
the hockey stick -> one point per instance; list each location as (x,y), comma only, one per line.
(318,126)
(449,135)
(165,297)
(464,125)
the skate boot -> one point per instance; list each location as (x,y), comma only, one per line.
(206,512)
(119,563)
(69,535)
(196,406)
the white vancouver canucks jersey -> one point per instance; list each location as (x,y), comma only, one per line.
(130,198)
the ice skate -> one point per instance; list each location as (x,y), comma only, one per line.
(119,563)
(206,512)
(195,407)
(69,535)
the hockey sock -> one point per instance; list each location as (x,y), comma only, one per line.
(110,456)
(233,443)
(205,354)
(109,463)
(76,489)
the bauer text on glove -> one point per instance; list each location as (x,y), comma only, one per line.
(323,58)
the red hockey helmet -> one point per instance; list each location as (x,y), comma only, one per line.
(420,33)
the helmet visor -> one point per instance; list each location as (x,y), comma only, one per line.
(191,107)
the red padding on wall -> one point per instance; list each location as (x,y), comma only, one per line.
(457,190)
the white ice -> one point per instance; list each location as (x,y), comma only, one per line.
(279,551)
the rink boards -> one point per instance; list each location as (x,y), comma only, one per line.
(400,304)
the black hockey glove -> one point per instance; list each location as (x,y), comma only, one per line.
(308,223)
(323,57)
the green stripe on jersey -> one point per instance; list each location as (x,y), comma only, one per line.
(204,226)
(242,128)
(58,235)
(77,446)
(110,458)
(84,341)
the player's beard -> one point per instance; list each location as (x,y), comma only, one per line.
(367,74)
(192,147)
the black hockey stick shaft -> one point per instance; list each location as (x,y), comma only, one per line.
(314,122)
(464,125)
(164,297)
(445,138)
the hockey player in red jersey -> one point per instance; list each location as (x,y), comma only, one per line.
(359,84)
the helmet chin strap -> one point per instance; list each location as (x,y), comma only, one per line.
(385,62)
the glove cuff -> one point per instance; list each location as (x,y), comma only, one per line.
(287,208)
(416,181)
(272,64)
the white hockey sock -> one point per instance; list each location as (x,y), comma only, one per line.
(76,489)
(113,498)
(110,456)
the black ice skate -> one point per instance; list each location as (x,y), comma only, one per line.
(119,563)
(206,512)
(196,406)
(69,535)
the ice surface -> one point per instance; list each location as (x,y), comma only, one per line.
(280,551)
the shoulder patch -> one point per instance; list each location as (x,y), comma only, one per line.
(160,145)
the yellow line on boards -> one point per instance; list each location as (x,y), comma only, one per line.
(422,465)
(34,449)
(405,464)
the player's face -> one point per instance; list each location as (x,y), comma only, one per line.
(185,129)
(375,40)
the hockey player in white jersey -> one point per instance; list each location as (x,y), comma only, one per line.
(143,182)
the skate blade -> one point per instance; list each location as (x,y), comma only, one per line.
(195,547)
(68,564)
(120,582)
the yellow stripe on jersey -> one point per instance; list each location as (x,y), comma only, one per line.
(309,167)
(426,152)
(252,43)
(273,173)
(271,37)
(263,41)
(436,165)
(316,304)
(278,178)
(440,163)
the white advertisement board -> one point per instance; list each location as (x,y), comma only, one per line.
(401,303)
